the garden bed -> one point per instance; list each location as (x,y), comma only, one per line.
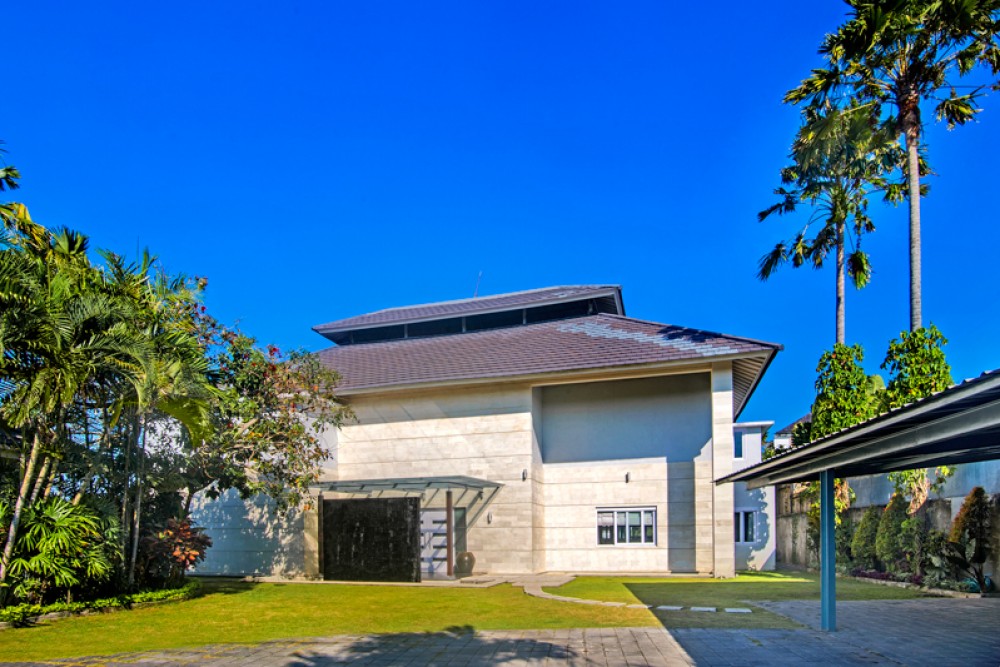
(27,614)
(936,592)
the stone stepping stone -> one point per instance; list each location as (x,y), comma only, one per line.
(669,607)
(738,610)
(711,609)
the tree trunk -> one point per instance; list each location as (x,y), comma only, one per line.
(911,130)
(840,335)
(40,480)
(140,465)
(22,496)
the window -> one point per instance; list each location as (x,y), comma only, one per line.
(626,526)
(745,526)
(738,444)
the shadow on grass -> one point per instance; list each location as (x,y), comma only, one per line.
(455,643)
(224,586)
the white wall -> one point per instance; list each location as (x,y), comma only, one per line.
(249,537)
(760,554)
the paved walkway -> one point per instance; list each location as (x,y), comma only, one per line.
(928,631)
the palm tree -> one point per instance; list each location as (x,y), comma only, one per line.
(838,159)
(57,335)
(891,56)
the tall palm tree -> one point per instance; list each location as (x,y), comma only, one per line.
(55,335)
(893,56)
(838,159)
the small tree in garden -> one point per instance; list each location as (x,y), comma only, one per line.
(918,369)
(888,538)
(173,549)
(968,545)
(863,543)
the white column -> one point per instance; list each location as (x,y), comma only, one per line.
(724,547)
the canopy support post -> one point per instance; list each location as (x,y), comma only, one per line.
(828,553)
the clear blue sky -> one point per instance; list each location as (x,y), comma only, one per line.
(318,160)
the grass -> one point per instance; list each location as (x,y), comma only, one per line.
(743,591)
(237,612)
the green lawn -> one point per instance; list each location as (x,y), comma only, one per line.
(742,591)
(236,612)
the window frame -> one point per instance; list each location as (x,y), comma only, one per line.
(740,515)
(739,451)
(618,530)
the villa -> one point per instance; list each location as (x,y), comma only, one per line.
(541,431)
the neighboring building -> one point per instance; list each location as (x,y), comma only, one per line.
(755,512)
(561,434)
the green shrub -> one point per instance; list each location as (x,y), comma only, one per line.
(22,613)
(863,543)
(844,537)
(888,539)
(968,545)
(913,539)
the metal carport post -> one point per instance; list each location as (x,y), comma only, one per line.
(827,552)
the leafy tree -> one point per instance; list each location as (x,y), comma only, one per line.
(267,416)
(889,547)
(863,542)
(918,369)
(893,56)
(845,395)
(838,158)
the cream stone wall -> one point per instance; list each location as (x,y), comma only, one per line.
(544,518)
(573,494)
(484,433)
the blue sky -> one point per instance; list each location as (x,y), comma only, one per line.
(317,160)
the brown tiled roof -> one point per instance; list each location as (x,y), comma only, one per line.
(583,343)
(461,307)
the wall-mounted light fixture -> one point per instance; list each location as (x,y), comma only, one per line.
(628,477)
(524,475)
(489,517)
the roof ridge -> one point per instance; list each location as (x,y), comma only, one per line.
(488,296)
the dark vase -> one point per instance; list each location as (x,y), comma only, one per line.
(464,563)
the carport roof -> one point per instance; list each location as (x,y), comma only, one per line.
(419,484)
(958,425)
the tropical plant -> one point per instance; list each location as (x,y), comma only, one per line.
(171,550)
(61,546)
(892,56)
(57,337)
(838,158)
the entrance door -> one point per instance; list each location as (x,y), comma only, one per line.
(433,542)
(434,539)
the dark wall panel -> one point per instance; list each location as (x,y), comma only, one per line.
(376,539)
